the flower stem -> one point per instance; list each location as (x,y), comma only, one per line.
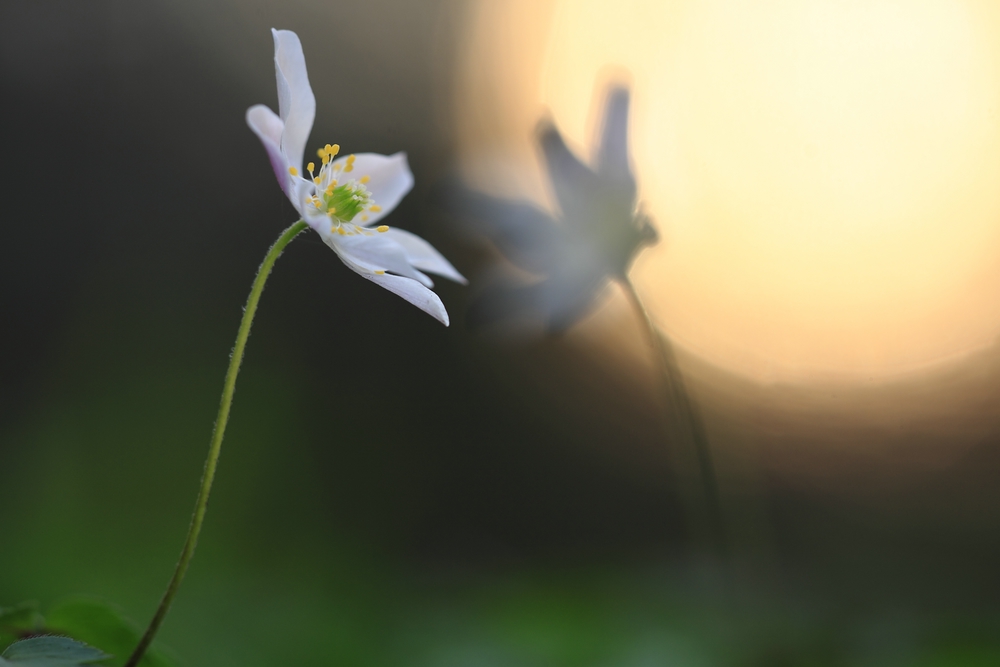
(687,426)
(201,505)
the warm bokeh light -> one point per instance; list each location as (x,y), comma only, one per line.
(825,173)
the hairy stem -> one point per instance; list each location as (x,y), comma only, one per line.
(683,420)
(215,446)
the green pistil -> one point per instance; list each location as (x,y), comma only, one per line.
(346,201)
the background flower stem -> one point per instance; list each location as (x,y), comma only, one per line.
(215,446)
(683,423)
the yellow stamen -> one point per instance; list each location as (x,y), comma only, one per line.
(310,166)
(326,159)
(374,208)
(364,179)
(317,179)
(333,150)
(382,228)
(380,273)
(364,218)
(340,230)
(293,171)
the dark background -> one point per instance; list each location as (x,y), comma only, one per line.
(392,491)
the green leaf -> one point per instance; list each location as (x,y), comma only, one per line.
(102,625)
(49,651)
(17,621)
(24,616)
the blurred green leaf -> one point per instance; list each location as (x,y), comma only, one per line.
(100,624)
(24,616)
(49,652)
(17,621)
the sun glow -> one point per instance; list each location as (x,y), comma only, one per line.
(825,174)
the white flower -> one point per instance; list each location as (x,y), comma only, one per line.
(346,197)
(594,239)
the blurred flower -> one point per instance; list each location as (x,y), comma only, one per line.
(595,239)
(340,207)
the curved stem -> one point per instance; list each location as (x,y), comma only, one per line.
(215,446)
(681,410)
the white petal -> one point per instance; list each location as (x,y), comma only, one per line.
(369,251)
(265,124)
(612,156)
(268,128)
(302,189)
(422,255)
(424,279)
(320,222)
(296,103)
(390,179)
(414,292)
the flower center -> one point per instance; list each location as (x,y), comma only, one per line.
(338,195)
(345,202)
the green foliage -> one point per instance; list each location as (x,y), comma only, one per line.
(76,622)
(49,651)
(102,625)
(24,616)
(15,622)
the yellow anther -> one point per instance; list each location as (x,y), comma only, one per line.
(293,171)
(333,209)
(317,179)
(337,167)
(364,218)
(340,230)
(326,159)
(310,166)
(382,228)
(374,208)
(364,179)
(321,152)
(333,150)
(348,168)
(380,273)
